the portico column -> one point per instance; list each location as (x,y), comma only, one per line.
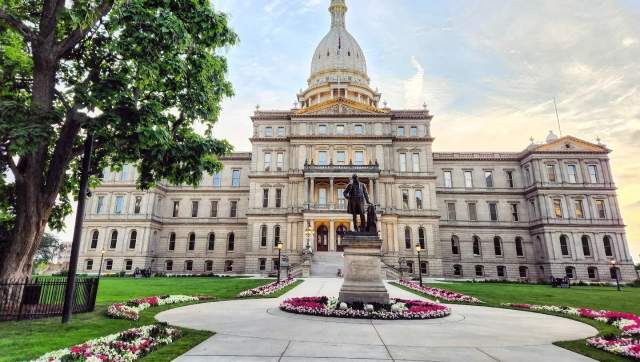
(332,197)
(313,186)
(332,236)
(306,191)
(371,191)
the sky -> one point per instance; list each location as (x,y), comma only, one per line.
(487,69)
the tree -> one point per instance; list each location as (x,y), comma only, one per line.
(139,75)
(50,247)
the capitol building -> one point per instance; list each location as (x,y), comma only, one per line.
(550,210)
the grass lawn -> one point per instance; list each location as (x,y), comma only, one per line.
(26,340)
(608,298)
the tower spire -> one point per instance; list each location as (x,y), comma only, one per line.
(338,9)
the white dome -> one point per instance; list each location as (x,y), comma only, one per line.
(338,54)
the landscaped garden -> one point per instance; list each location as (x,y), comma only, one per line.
(26,340)
(584,304)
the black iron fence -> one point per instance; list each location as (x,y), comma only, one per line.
(34,298)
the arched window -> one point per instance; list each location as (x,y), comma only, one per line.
(208,265)
(476,246)
(410,266)
(276,235)
(608,247)
(94,239)
(524,271)
(564,245)
(570,272)
(421,239)
(457,270)
(497,245)
(455,245)
(407,237)
(172,241)
(188,265)
(132,239)
(168,265)
(212,241)
(192,241)
(519,247)
(114,239)
(231,243)
(586,245)
(593,272)
(479,270)
(263,236)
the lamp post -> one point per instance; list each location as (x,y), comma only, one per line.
(615,270)
(419,249)
(279,246)
(309,234)
(100,268)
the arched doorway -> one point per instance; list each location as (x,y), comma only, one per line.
(340,231)
(322,238)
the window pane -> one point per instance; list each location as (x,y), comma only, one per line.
(593,173)
(488,178)
(359,158)
(451,210)
(473,214)
(403,162)
(416,162)
(557,207)
(448,182)
(572,172)
(468,179)
(235,180)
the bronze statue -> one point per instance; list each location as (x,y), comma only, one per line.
(356,195)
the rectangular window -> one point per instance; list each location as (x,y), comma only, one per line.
(278,198)
(593,173)
(340,198)
(602,212)
(514,212)
(403,162)
(128,264)
(473,212)
(527,174)
(217,180)
(572,173)
(109,265)
(405,199)
(451,211)
(415,159)
(119,204)
(340,129)
(400,131)
(493,211)
(557,208)
(176,208)
(322,129)
(359,158)
(341,157)
(359,129)
(418,199)
(488,178)
(235,178)
(267,162)
(448,181)
(263,264)
(194,208)
(100,205)
(510,182)
(137,205)
(265,198)
(322,158)
(414,131)
(214,209)
(551,173)
(579,209)
(532,205)
(124,175)
(268,132)
(280,131)
(233,209)
(468,179)
(322,196)
(89,264)
(280,161)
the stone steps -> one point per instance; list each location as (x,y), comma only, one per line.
(326,264)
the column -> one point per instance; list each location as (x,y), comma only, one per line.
(313,188)
(376,192)
(306,191)
(332,235)
(332,197)
(371,191)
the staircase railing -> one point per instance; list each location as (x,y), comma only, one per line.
(391,271)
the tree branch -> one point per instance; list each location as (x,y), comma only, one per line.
(17,25)
(12,165)
(74,38)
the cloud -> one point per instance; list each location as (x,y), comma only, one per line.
(414,86)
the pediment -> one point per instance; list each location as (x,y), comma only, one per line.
(340,106)
(570,144)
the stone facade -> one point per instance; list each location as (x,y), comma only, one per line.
(550,210)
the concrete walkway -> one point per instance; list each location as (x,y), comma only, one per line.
(256,330)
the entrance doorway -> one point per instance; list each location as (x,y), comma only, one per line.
(340,231)
(322,238)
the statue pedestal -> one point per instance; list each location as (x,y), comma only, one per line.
(362,269)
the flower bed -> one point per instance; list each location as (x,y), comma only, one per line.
(629,324)
(396,309)
(131,309)
(443,294)
(129,345)
(267,289)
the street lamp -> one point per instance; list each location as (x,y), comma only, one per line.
(309,234)
(279,246)
(419,249)
(101,257)
(615,270)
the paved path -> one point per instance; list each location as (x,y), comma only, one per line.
(256,330)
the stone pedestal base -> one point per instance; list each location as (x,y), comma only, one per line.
(362,271)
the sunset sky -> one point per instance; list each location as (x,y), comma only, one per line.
(488,70)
